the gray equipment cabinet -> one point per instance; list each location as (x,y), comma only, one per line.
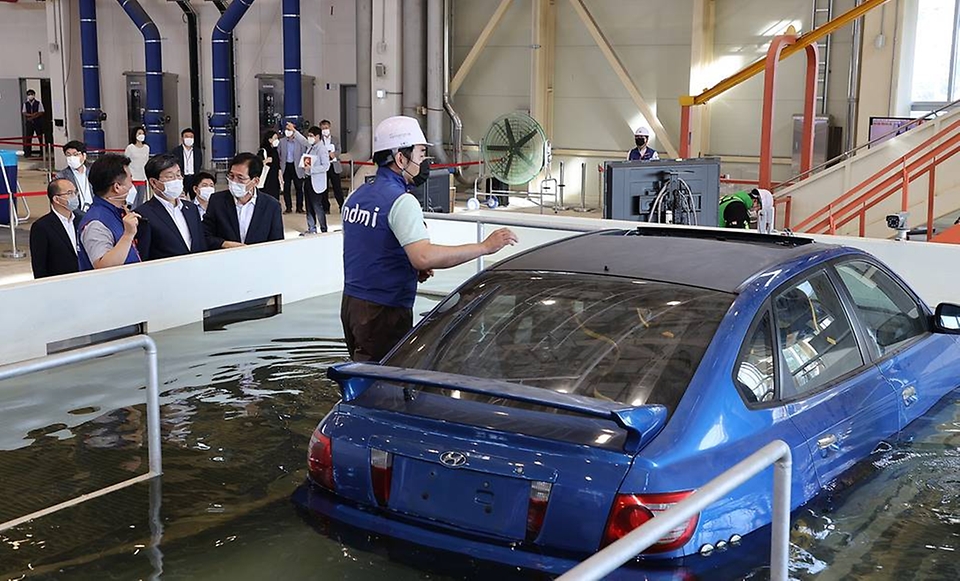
(270,91)
(632,187)
(136,83)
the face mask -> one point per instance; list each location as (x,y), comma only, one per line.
(205,193)
(326,132)
(238,190)
(275,143)
(288,133)
(188,141)
(131,196)
(640,141)
(30,97)
(141,137)
(311,140)
(172,189)
(424,175)
(72,203)
(74,161)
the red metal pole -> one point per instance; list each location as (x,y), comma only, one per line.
(766,127)
(809,107)
(786,213)
(905,197)
(931,192)
(685,114)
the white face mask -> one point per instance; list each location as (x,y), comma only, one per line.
(237,189)
(288,133)
(311,140)
(205,193)
(275,143)
(141,137)
(172,189)
(326,132)
(72,203)
(131,195)
(188,141)
(30,97)
(74,161)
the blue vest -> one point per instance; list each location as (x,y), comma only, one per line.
(375,266)
(32,108)
(111,217)
(635,154)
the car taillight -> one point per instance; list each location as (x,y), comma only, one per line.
(632,510)
(320,460)
(381,472)
(537,507)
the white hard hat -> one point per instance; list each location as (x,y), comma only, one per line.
(642,131)
(398,132)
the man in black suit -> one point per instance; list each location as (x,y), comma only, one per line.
(189,158)
(240,216)
(53,238)
(175,226)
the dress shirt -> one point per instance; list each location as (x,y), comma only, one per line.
(187,161)
(70,228)
(245,215)
(176,212)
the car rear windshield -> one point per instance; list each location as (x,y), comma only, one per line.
(630,341)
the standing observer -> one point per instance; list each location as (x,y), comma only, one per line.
(175,227)
(108,233)
(53,238)
(386,248)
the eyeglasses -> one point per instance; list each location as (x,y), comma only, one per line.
(240,179)
(68,193)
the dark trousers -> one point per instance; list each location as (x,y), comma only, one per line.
(29,140)
(315,214)
(290,179)
(371,330)
(334,179)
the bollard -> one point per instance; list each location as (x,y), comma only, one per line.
(560,186)
(583,190)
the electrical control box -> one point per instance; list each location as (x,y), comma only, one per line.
(631,190)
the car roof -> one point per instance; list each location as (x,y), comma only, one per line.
(721,260)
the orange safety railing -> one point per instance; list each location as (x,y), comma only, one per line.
(895,178)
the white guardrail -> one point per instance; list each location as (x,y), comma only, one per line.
(626,549)
(153,409)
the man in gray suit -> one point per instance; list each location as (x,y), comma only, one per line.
(76,174)
(292,147)
(335,171)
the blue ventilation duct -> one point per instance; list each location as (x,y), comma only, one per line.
(292,86)
(153,118)
(91,116)
(222,122)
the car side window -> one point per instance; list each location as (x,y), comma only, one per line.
(816,341)
(890,315)
(755,366)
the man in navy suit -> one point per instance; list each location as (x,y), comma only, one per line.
(240,216)
(174,223)
(53,238)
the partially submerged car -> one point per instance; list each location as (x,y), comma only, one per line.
(571,393)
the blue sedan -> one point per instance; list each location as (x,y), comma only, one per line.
(562,398)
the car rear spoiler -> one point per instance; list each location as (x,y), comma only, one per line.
(642,423)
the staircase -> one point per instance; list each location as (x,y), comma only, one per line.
(916,172)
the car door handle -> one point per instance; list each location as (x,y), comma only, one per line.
(909,395)
(826,441)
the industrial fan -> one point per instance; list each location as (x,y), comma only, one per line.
(514,151)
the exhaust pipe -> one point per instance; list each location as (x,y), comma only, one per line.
(222,122)
(153,118)
(91,117)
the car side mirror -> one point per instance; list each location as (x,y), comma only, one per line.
(947,319)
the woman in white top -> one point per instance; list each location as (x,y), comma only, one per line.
(139,153)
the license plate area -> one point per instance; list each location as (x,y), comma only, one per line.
(461,497)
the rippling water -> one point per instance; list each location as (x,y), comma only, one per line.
(238,408)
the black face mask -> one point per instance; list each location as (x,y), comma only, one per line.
(424,175)
(640,141)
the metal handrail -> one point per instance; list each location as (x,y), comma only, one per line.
(848,154)
(626,549)
(144,342)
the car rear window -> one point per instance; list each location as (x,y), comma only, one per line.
(631,341)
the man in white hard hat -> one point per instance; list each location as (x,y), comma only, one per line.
(386,248)
(641,152)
